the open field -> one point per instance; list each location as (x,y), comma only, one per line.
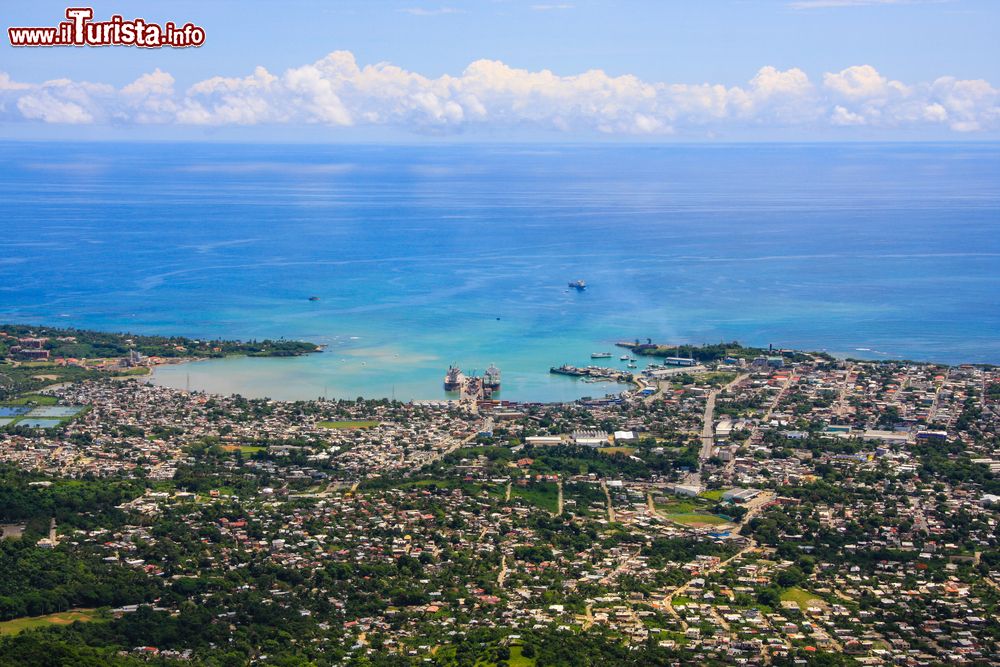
(37,399)
(800,596)
(246,449)
(61,618)
(625,451)
(347,424)
(518,660)
(544,495)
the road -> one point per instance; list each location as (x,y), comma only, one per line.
(755,432)
(777,399)
(708,428)
(607,497)
(503,572)
(850,377)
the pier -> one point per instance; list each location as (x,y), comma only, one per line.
(594,373)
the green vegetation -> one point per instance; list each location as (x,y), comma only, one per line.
(625,451)
(347,424)
(32,399)
(44,581)
(540,494)
(84,504)
(245,449)
(518,659)
(800,596)
(17,380)
(695,519)
(712,352)
(17,625)
(81,344)
(690,511)
(716,379)
(18,377)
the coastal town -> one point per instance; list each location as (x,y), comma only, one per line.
(734,506)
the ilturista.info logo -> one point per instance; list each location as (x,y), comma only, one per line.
(80,29)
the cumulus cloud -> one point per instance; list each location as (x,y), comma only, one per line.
(337,91)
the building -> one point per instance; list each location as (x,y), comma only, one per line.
(591,438)
(544,440)
(740,495)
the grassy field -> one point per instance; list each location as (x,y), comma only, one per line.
(246,449)
(62,618)
(37,399)
(518,660)
(347,424)
(677,506)
(544,495)
(689,512)
(717,378)
(625,451)
(800,596)
(715,495)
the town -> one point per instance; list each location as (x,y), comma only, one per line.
(756,507)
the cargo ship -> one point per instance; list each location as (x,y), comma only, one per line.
(491,378)
(454,379)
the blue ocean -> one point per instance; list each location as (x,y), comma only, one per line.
(422,256)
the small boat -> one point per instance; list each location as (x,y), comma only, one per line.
(632,366)
(624,357)
(314,298)
(578,285)
(600,355)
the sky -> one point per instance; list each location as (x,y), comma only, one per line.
(523,70)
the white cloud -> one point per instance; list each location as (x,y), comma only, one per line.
(336,91)
(842,116)
(46,107)
(859,82)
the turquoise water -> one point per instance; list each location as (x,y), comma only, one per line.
(424,256)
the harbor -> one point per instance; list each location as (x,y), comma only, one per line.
(473,387)
(594,373)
